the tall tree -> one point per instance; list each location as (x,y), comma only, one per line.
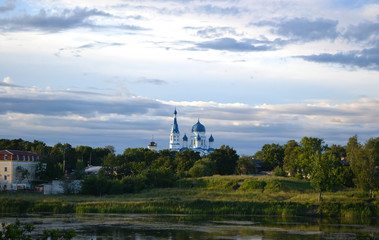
(364,163)
(323,173)
(225,158)
(292,151)
(272,156)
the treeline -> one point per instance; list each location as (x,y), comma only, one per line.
(327,167)
(59,159)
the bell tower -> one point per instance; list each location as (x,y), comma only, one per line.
(175,135)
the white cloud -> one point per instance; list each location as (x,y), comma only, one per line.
(7,80)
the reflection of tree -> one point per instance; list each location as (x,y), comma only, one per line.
(22,173)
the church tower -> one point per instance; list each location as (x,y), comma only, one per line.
(175,135)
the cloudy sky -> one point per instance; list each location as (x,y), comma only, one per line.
(253,71)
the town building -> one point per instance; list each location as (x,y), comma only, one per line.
(198,139)
(17,169)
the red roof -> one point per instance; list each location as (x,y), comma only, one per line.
(12,153)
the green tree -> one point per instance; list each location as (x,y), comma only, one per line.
(245,165)
(292,150)
(309,148)
(225,158)
(203,167)
(324,167)
(185,161)
(272,156)
(364,163)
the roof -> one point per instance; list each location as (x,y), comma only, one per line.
(18,152)
(198,127)
(185,138)
(211,139)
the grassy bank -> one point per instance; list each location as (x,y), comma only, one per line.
(217,195)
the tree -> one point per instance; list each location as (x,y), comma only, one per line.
(310,147)
(272,156)
(185,161)
(292,151)
(203,167)
(323,177)
(245,165)
(364,163)
(225,158)
(22,173)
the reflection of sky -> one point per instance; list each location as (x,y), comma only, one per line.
(198,56)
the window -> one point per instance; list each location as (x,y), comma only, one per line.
(5,157)
(23,157)
(5,169)
(28,158)
(18,157)
(5,177)
(33,158)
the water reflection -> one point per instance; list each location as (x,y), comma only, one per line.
(178,227)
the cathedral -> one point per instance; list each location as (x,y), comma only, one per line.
(198,141)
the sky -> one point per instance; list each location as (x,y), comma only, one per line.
(254,72)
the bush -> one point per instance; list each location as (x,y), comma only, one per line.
(253,184)
(299,176)
(274,185)
(202,168)
(278,171)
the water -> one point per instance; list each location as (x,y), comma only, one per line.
(147,226)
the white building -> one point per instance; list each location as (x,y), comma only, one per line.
(198,141)
(17,169)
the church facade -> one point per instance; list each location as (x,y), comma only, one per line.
(198,140)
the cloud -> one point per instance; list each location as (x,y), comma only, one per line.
(231,44)
(150,81)
(77,51)
(212,9)
(9,6)
(215,32)
(367,58)
(7,80)
(54,22)
(127,121)
(363,31)
(303,29)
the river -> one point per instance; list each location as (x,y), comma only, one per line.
(148,226)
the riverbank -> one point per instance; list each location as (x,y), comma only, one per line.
(217,195)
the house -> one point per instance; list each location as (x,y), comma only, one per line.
(17,169)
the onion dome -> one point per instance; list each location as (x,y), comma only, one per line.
(211,139)
(185,138)
(198,127)
(198,138)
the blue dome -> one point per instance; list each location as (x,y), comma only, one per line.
(211,139)
(198,127)
(198,138)
(185,138)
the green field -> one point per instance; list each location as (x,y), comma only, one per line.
(238,195)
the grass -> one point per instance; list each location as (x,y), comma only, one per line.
(243,195)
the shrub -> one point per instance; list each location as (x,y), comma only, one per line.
(299,176)
(278,171)
(253,184)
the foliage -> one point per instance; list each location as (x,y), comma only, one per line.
(323,174)
(272,156)
(278,171)
(22,173)
(185,161)
(246,165)
(225,158)
(203,167)
(24,231)
(364,161)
